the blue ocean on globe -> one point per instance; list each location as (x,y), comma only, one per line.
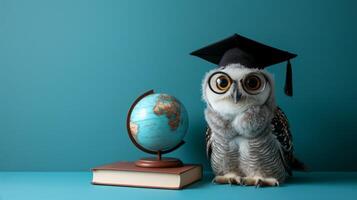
(158,122)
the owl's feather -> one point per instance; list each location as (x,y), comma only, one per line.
(280,128)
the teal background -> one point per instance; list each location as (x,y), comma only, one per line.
(69,71)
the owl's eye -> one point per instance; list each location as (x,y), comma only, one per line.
(222,82)
(219,82)
(254,83)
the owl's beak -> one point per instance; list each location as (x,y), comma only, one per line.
(236,94)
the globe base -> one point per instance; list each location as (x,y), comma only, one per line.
(158,163)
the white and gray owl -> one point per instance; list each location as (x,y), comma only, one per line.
(248,140)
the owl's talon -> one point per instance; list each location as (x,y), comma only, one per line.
(259,183)
(269,182)
(229,178)
(220,180)
(232,179)
(238,180)
(249,181)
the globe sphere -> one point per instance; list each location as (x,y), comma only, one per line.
(158,122)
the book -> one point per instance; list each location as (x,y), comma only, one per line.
(128,174)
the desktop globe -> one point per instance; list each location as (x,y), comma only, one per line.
(157,124)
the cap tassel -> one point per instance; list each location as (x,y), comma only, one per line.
(288,80)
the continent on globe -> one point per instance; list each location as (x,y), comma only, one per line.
(168,105)
(134,129)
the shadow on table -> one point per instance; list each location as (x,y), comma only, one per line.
(322,178)
(315,178)
(205,181)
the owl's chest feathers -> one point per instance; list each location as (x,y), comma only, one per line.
(249,156)
(251,150)
(260,157)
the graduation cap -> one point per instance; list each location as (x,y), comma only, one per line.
(249,53)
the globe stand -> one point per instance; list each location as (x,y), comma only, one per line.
(152,162)
(158,162)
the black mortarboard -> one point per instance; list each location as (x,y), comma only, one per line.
(251,54)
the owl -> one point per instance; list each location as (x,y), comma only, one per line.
(248,141)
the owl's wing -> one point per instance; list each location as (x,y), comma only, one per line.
(281,130)
(208,142)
